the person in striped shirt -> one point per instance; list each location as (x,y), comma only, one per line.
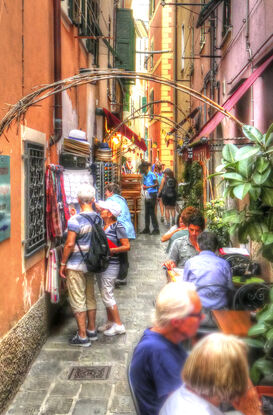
(80,283)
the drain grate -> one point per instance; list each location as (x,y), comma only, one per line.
(89,373)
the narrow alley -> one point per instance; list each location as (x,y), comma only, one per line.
(47,389)
(136,109)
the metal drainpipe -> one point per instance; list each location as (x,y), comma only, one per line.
(23,48)
(212,83)
(175,92)
(58,125)
(248,48)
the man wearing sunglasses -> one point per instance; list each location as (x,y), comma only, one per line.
(159,356)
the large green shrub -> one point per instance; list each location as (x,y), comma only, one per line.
(214,213)
(192,191)
(248,172)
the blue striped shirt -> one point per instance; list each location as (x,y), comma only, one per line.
(114,233)
(82,227)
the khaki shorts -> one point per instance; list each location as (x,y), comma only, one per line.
(81,292)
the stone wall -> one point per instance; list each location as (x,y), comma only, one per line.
(19,347)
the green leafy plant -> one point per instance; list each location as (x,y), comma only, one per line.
(248,172)
(261,337)
(192,191)
(214,212)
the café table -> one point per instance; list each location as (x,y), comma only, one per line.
(173,276)
(233,321)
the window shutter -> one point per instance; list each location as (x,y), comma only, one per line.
(144,102)
(125,39)
(74,11)
(126,99)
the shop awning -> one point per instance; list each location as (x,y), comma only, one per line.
(114,121)
(206,11)
(231,102)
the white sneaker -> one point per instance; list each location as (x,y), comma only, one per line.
(105,326)
(115,329)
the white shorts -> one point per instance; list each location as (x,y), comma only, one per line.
(106,282)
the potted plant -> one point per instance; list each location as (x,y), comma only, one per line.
(260,337)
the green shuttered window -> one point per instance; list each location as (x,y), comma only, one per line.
(125,39)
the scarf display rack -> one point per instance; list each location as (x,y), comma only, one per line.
(57,213)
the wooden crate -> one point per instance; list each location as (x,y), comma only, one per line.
(131,182)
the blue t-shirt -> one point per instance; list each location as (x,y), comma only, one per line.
(149,180)
(155,371)
(159,177)
(125,216)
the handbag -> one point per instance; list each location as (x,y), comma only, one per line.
(124,264)
(147,195)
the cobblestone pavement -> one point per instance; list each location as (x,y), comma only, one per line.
(47,390)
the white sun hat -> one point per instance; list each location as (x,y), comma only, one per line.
(110,205)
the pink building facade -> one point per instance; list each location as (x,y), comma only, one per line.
(231,39)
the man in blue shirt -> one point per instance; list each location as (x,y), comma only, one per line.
(208,269)
(157,361)
(150,186)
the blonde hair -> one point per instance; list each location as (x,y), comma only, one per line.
(217,367)
(174,302)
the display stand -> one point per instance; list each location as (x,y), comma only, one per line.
(105,173)
(131,191)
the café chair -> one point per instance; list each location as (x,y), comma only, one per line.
(134,399)
(251,297)
(266,395)
(211,291)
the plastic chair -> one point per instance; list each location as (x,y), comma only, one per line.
(251,297)
(132,391)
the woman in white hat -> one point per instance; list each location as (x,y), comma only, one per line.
(118,243)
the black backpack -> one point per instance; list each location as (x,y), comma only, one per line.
(169,189)
(98,256)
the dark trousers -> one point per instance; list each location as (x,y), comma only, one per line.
(150,212)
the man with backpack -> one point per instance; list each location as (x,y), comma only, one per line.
(80,281)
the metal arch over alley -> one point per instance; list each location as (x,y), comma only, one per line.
(18,110)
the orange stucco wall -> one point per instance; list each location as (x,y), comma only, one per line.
(161,35)
(26,53)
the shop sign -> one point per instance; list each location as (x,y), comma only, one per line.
(4,197)
(201,153)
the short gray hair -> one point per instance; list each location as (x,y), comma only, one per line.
(86,193)
(174,302)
